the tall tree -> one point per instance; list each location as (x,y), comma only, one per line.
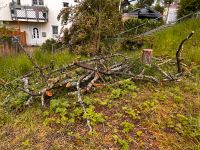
(92,21)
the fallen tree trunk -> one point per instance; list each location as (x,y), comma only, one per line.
(82,77)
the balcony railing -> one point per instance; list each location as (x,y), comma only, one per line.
(28,13)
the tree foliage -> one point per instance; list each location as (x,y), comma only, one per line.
(92,21)
(159,8)
(188,6)
(168,1)
(142,3)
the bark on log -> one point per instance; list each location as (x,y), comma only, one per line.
(147,56)
(82,104)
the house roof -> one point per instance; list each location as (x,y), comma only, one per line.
(145,12)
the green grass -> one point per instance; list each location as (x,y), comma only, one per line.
(167,41)
(125,116)
(14,66)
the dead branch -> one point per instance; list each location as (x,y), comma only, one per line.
(26,88)
(164,73)
(32,60)
(178,52)
(85,66)
(82,104)
(88,61)
(2,82)
(28,92)
(165,62)
(96,77)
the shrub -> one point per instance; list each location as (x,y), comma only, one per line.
(148,25)
(159,8)
(93,116)
(47,46)
(132,43)
(127,127)
(188,6)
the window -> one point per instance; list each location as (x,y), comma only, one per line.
(38,2)
(55,30)
(35,2)
(65,4)
(35,33)
(18,2)
(44,15)
(41,2)
(44,34)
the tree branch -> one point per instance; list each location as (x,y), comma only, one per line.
(178,52)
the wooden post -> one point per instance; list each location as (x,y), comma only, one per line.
(147,56)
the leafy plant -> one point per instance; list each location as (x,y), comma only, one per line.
(26,143)
(128,85)
(59,107)
(123,143)
(139,133)
(125,87)
(50,44)
(116,93)
(158,96)
(127,127)
(134,114)
(90,101)
(148,105)
(178,99)
(104,102)
(185,126)
(17,102)
(93,116)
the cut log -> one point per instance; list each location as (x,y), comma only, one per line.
(147,56)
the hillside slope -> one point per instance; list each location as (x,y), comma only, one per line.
(167,41)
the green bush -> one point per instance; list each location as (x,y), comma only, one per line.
(159,8)
(134,27)
(49,43)
(148,25)
(188,6)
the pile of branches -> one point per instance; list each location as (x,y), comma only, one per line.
(79,77)
(82,77)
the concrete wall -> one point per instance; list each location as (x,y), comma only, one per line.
(5,10)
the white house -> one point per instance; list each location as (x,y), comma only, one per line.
(38,18)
